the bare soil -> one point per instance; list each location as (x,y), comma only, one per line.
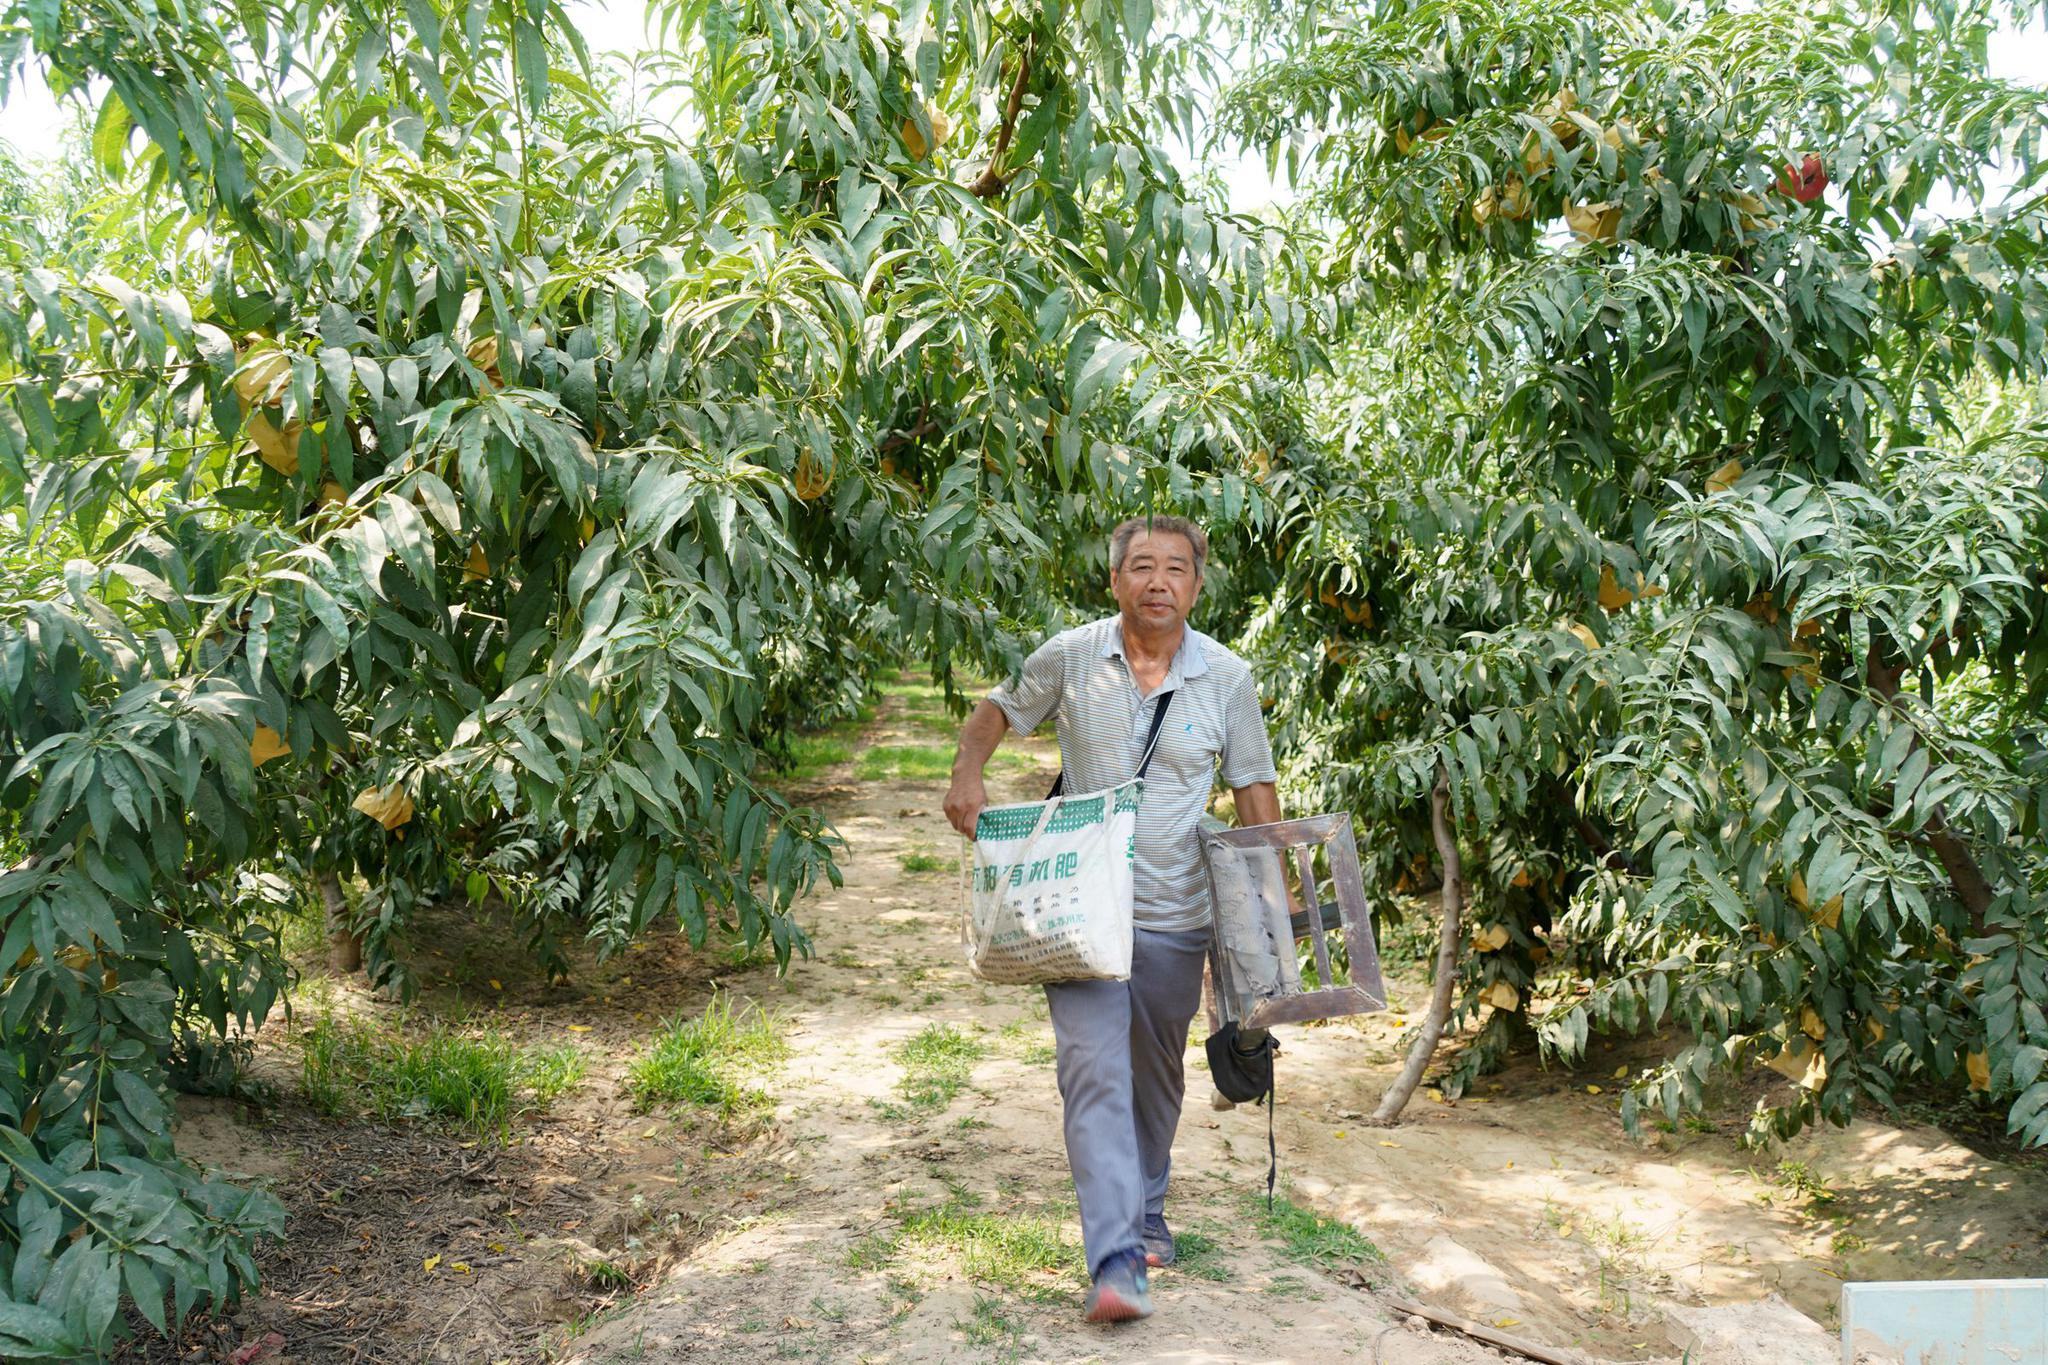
(1523,1205)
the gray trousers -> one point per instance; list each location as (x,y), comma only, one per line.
(1120,1045)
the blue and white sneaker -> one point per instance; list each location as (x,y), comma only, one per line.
(1119,1293)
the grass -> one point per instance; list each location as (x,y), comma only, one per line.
(919,695)
(703,1060)
(1013,1252)
(1308,1238)
(991,1328)
(904,762)
(478,1083)
(810,755)
(937,1063)
(1200,1256)
(926,762)
(922,860)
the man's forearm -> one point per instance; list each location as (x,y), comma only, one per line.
(978,739)
(1257,804)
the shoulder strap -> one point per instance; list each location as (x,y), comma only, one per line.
(1059,784)
(1152,735)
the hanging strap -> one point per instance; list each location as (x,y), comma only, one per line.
(1272,1150)
(1059,784)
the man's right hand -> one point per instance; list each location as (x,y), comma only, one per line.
(964,800)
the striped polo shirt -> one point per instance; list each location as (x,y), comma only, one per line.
(1081,677)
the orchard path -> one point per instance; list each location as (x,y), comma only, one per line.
(822,1271)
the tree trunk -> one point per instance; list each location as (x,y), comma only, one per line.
(1971,887)
(344,946)
(1396,1098)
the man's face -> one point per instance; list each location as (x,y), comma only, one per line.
(1157,584)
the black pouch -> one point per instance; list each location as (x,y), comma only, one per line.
(1242,1076)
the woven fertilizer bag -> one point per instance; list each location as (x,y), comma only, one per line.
(1051,893)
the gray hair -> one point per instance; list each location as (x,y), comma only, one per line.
(1120,539)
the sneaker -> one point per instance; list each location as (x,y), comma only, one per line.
(1119,1293)
(1159,1247)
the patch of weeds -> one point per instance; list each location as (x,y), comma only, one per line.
(554,1071)
(1308,1238)
(921,860)
(702,1060)
(1017,1253)
(915,694)
(810,755)
(1289,1287)
(1200,1256)
(481,1084)
(904,762)
(1040,1054)
(605,1275)
(904,1294)
(871,1252)
(743,956)
(937,1063)
(969,1122)
(845,958)
(888,999)
(1617,1247)
(828,1312)
(990,1327)
(1799,1178)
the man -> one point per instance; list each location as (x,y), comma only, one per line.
(1119,1043)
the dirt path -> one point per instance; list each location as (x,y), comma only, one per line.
(825,1270)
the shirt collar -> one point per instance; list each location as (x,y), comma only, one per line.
(1189,661)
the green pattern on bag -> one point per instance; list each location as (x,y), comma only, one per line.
(1078,815)
(1014,822)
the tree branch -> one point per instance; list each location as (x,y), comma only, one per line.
(1612,858)
(1949,850)
(992,181)
(1424,1046)
(344,945)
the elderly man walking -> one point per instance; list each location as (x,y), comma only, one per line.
(1120,1043)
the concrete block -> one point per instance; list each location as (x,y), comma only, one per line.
(1946,1322)
(1749,1334)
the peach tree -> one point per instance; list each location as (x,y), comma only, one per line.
(1683,512)
(435,460)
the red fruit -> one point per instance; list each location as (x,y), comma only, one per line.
(1805,181)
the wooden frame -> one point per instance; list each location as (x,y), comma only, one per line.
(1347,909)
